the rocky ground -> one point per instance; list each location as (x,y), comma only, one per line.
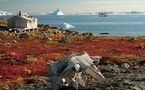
(122,81)
(118,78)
(43,30)
(128,81)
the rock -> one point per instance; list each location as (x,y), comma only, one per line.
(68,70)
(135,88)
(103,33)
(141,62)
(141,47)
(54,27)
(105,70)
(14,41)
(43,26)
(23,35)
(1,34)
(87,34)
(64,40)
(30,81)
(30,56)
(10,34)
(67,50)
(127,82)
(4,43)
(4,88)
(125,65)
(96,59)
(115,68)
(27,88)
(46,38)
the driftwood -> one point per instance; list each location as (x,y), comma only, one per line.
(68,70)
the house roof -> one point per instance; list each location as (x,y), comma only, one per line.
(26,17)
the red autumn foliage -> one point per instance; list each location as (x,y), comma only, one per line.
(16,60)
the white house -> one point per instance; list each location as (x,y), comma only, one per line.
(22,21)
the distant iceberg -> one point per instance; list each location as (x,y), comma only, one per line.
(57,12)
(3,13)
(92,13)
(66,25)
(77,14)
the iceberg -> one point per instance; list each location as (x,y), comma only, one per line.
(77,14)
(57,12)
(66,25)
(3,13)
(92,13)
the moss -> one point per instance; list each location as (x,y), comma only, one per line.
(51,41)
(55,54)
(59,44)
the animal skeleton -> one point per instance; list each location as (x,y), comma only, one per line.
(68,70)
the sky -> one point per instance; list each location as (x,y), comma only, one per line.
(72,6)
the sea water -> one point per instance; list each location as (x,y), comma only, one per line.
(114,25)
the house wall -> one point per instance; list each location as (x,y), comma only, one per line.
(17,22)
(20,22)
(32,23)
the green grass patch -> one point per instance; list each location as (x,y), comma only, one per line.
(59,44)
(55,54)
(51,42)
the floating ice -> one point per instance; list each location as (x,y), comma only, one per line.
(92,13)
(57,12)
(77,14)
(66,25)
(3,13)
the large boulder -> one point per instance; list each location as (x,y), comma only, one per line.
(68,70)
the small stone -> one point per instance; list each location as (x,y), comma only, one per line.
(6,43)
(135,88)
(5,88)
(64,40)
(23,35)
(115,68)
(46,38)
(125,65)
(1,34)
(106,70)
(14,41)
(30,56)
(141,62)
(96,59)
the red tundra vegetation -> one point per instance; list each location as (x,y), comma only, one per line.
(26,57)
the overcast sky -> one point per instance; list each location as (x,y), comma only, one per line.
(69,6)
